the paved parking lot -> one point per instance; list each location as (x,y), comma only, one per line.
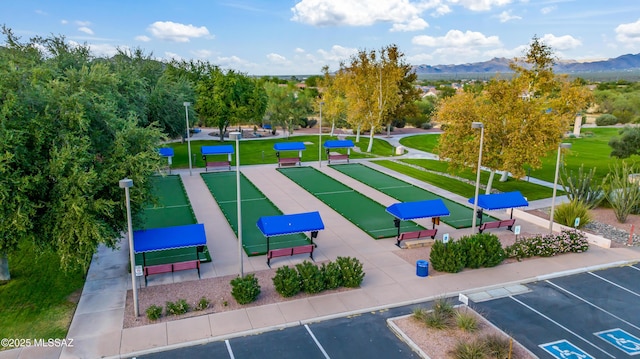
(587,315)
(360,336)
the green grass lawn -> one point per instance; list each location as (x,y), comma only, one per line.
(592,151)
(40,299)
(254,152)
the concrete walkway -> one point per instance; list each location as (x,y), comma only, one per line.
(390,281)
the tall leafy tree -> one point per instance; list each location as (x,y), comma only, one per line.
(371,83)
(334,108)
(229,98)
(524,117)
(286,105)
(63,148)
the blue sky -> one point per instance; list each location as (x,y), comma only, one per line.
(298,37)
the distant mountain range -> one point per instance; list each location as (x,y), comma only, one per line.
(501,65)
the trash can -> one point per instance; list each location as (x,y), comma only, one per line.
(422,268)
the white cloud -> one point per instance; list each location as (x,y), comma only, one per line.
(441,10)
(457,39)
(412,25)
(41,12)
(360,13)
(171,31)
(299,50)
(64,22)
(233,61)
(143,38)
(337,53)
(508,53)
(202,54)
(547,9)
(82,23)
(277,59)
(566,42)
(480,5)
(172,56)
(628,32)
(419,59)
(104,50)
(506,16)
(86,30)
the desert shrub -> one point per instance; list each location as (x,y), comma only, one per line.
(466,321)
(496,346)
(178,307)
(469,350)
(311,123)
(203,304)
(154,312)
(311,278)
(351,269)
(420,314)
(447,257)
(623,195)
(494,253)
(472,250)
(332,275)
(426,125)
(286,281)
(441,315)
(548,245)
(606,120)
(245,289)
(566,213)
(579,186)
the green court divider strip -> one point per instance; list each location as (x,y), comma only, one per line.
(460,216)
(222,186)
(172,209)
(367,214)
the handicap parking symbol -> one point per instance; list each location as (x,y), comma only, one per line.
(621,340)
(563,349)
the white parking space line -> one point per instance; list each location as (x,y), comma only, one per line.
(229,349)
(561,326)
(317,342)
(615,284)
(593,305)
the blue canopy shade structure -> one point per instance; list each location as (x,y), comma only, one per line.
(216,150)
(289,146)
(157,239)
(338,144)
(420,209)
(501,200)
(166,151)
(289,224)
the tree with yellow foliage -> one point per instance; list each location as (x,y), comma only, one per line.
(524,117)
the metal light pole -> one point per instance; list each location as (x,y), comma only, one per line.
(126,183)
(238,199)
(186,116)
(555,184)
(320,137)
(475,200)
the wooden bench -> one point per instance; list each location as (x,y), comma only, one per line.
(497,224)
(423,233)
(170,268)
(291,251)
(338,157)
(218,165)
(286,161)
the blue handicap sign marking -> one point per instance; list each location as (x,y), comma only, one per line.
(621,340)
(563,349)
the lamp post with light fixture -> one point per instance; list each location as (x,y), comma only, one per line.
(476,125)
(320,137)
(238,200)
(555,184)
(186,116)
(127,183)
